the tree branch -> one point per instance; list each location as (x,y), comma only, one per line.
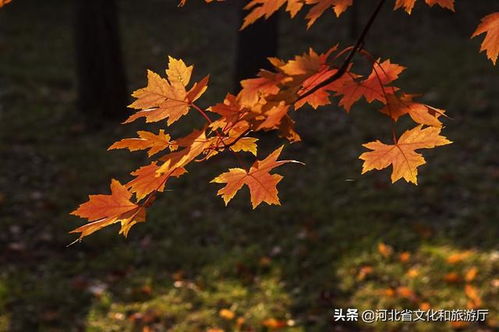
(348,60)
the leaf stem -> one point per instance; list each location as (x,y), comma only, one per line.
(203,113)
(221,137)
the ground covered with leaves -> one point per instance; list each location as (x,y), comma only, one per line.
(339,240)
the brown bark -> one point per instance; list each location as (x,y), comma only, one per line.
(101,81)
(255,44)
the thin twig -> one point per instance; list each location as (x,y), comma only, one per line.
(344,67)
(221,137)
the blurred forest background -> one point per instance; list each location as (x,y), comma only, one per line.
(339,240)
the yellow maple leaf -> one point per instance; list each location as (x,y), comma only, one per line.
(167,98)
(402,155)
(262,184)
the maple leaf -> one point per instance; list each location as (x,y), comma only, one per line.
(452,277)
(321,96)
(226,314)
(459,257)
(490,26)
(385,250)
(231,110)
(304,73)
(306,64)
(147,140)
(397,106)
(194,144)
(271,116)
(449,4)
(235,142)
(374,87)
(4,2)
(262,184)
(247,144)
(104,210)
(273,323)
(402,155)
(167,98)
(197,89)
(408,5)
(473,294)
(266,84)
(147,180)
(287,130)
(320,6)
(265,8)
(470,274)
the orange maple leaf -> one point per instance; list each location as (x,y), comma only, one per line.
(197,89)
(104,210)
(320,6)
(4,2)
(227,314)
(452,277)
(470,274)
(231,111)
(449,4)
(265,8)
(408,5)
(402,155)
(490,26)
(262,184)
(306,64)
(287,130)
(321,96)
(374,87)
(194,144)
(385,250)
(167,98)
(397,106)
(234,142)
(304,73)
(273,323)
(147,140)
(473,294)
(147,180)
(267,83)
(459,257)
(271,116)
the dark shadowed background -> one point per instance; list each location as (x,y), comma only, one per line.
(339,240)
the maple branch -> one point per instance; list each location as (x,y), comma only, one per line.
(238,138)
(203,113)
(221,137)
(343,69)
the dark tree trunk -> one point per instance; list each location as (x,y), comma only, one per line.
(354,21)
(102,89)
(254,45)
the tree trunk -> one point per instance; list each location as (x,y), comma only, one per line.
(354,21)
(102,88)
(254,45)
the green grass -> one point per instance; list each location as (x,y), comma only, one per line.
(194,257)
